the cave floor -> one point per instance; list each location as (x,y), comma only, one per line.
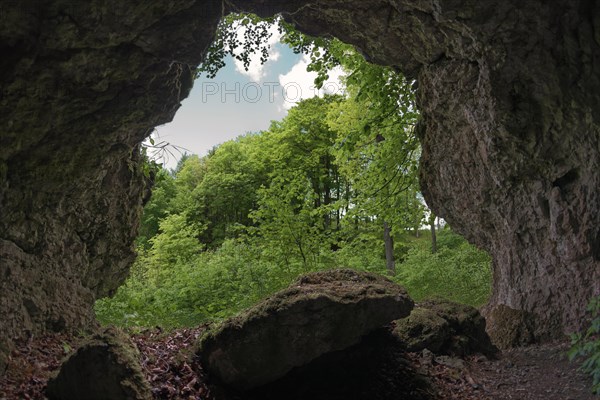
(530,373)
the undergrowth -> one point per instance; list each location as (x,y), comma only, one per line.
(587,346)
(213,285)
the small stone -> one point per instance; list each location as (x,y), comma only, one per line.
(423,329)
(426,357)
(451,362)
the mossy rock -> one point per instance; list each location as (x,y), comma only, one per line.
(106,366)
(319,313)
(510,328)
(445,327)
(423,329)
(459,316)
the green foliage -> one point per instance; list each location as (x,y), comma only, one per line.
(228,191)
(299,207)
(457,271)
(364,252)
(158,207)
(253,40)
(177,241)
(217,284)
(587,345)
(242,35)
(211,286)
(319,49)
(376,147)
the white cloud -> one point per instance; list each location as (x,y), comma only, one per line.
(298,84)
(256,70)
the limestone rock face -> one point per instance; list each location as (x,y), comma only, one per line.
(511,153)
(106,367)
(318,314)
(511,141)
(81,85)
(445,327)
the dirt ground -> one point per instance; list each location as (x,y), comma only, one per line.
(537,372)
(532,373)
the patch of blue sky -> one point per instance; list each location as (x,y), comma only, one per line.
(237,101)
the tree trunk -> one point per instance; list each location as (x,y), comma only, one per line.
(389,249)
(433,236)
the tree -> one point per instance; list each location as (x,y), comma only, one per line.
(298,206)
(433,235)
(228,192)
(157,208)
(376,145)
(388,240)
(176,243)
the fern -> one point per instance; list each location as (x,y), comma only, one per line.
(587,345)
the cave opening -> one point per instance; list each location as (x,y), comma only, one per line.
(330,182)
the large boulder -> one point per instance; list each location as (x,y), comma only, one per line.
(107,366)
(319,313)
(445,327)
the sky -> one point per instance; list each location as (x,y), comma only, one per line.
(237,101)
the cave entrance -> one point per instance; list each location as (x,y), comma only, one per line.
(508,95)
(306,159)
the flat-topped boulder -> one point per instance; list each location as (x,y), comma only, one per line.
(317,314)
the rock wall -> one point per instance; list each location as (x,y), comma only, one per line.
(508,92)
(81,85)
(511,155)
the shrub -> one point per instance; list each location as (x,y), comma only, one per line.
(587,345)
(458,271)
(190,287)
